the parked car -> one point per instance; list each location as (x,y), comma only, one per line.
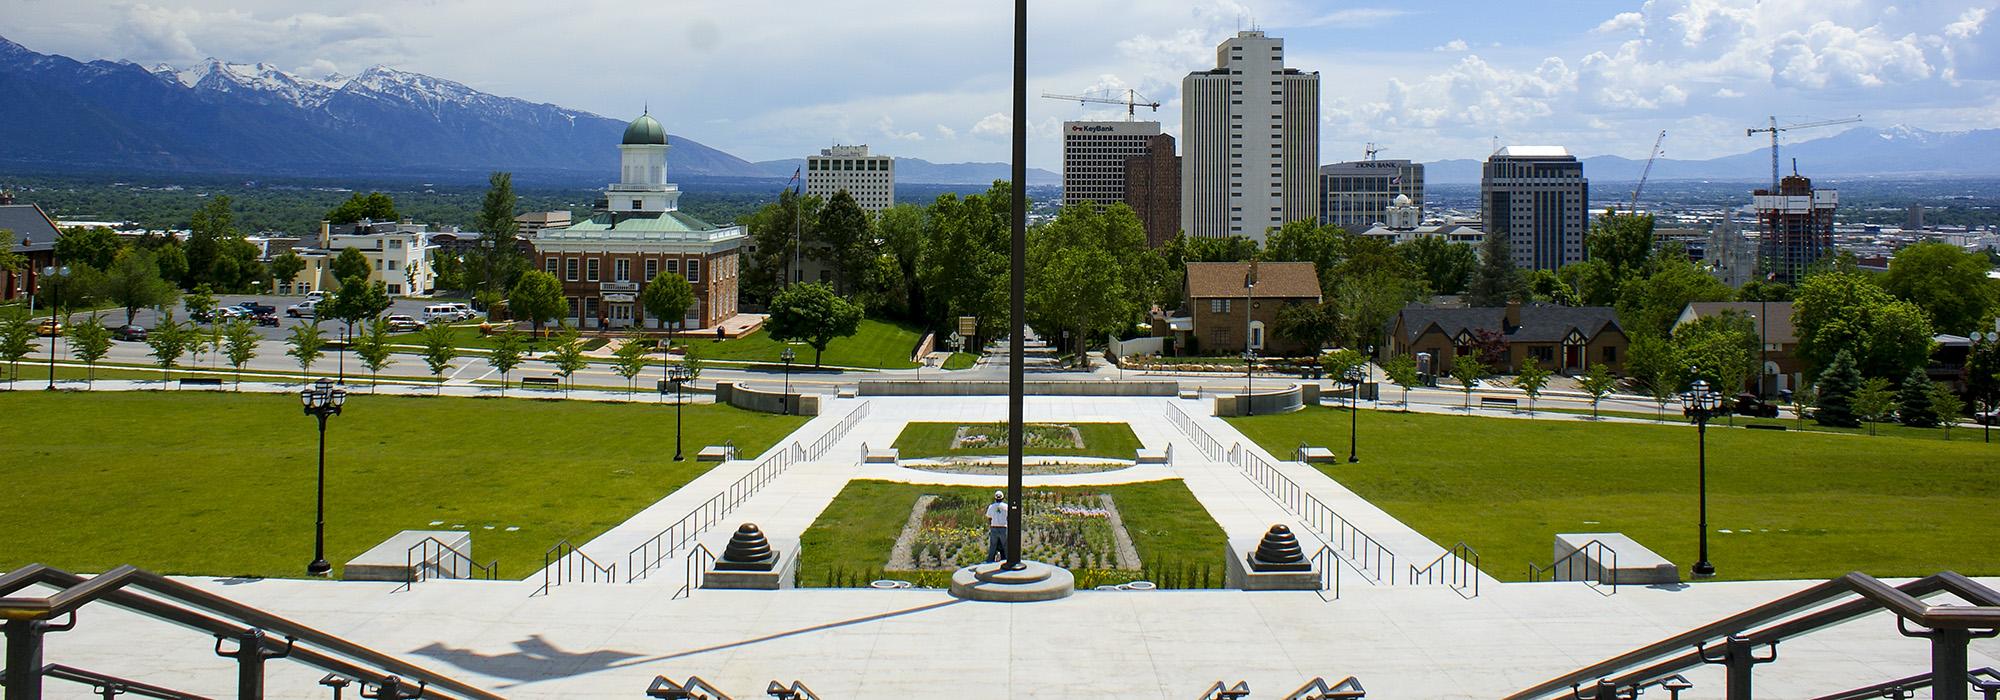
(252,308)
(1987,417)
(49,328)
(315,295)
(402,323)
(441,312)
(304,309)
(465,312)
(1748,404)
(130,332)
(266,319)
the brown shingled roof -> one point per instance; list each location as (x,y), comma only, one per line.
(1224,280)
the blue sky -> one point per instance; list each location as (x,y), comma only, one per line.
(1425,80)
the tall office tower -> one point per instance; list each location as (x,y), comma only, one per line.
(1094,156)
(1250,141)
(1536,196)
(1795,226)
(1153,189)
(1359,194)
(870,179)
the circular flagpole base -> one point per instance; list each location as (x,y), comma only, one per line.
(992,582)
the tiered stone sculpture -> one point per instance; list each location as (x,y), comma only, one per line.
(1279,551)
(748,550)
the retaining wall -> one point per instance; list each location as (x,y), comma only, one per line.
(902,387)
(1286,401)
(765,401)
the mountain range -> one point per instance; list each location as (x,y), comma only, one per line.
(1896,151)
(66,115)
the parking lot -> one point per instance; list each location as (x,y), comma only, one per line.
(148,317)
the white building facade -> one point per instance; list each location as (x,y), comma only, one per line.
(871,180)
(1250,135)
(398,254)
(1536,197)
(1094,156)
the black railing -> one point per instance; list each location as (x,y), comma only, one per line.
(1221,690)
(108,686)
(1329,572)
(649,554)
(1348,688)
(818,448)
(431,558)
(564,562)
(694,689)
(1732,641)
(1367,555)
(795,691)
(1458,568)
(1586,564)
(1201,439)
(156,596)
(696,563)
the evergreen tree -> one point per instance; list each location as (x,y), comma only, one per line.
(1915,399)
(501,261)
(1495,282)
(1836,387)
(1874,401)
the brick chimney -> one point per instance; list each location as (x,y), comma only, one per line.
(1513,315)
(6,198)
(325,233)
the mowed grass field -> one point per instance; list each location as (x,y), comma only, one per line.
(1109,440)
(849,544)
(1794,505)
(222,484)
(877,345)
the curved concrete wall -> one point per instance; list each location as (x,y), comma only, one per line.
(903,387)
(1286,401)
(768,402)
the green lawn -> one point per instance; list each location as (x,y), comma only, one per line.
(878,345)
(1797,505)
(960,360)
(1112,440)
(849,544)
(1885,429)
(222,484)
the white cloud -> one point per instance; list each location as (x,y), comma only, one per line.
(1353,17)
(947,133)
(995,124)
(1968,24)
(1621,23)
(887,126)
(1453,46)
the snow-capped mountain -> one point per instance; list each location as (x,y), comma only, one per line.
(218,116)
(1898,150)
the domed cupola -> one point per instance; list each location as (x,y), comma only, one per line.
(645,131)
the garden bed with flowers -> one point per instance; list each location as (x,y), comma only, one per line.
(1112,440)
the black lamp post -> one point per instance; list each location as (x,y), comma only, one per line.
(55,315)
(1249,365)
(321,400)
(678,376)
(1353,378)
(1699,403)
(1249,342)
(788,356)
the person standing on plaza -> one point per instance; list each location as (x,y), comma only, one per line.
(996,530)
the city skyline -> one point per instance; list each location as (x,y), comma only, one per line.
(1436,82)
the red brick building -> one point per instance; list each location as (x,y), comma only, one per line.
(34,239)
(1153,189)
(1220,312)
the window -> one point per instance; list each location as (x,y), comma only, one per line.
(1610,353)
(621,269)
(394,244)
(569,269)
(395,289)
(674,265)
(392,264)
(652,269)
(694,270)
(549,265)
(572,306)
(590,270)
(1218,306)
(378,264)
(590,307)
(638,204)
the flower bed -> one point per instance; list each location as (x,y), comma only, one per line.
(1069,529)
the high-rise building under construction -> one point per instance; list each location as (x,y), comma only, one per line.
(1795,227)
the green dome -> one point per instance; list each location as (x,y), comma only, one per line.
(645,131)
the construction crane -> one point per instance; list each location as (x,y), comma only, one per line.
(1773,129)
(1643,174)
(1133,101)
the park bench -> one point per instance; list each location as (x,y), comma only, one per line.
(1498,401)
(548,382)
(201,382)
(717,453)
(1310,454)
(1763,426)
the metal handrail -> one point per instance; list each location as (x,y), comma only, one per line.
(1201,439)
(1899,688)
(1221,690)
(1606,575)
(796,691)
(649,554)
(103,682)
(185,605)
(1680,652)
(431,563)
(1329,572)
(1369,556)
(557,567)
(694,689)
(1460,574)
(696,561)
(1348,688)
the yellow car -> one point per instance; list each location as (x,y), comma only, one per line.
(49,328)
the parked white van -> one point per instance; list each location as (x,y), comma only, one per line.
(440,312)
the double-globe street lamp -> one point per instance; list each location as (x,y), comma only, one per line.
(678,375)
(788,356)
(55,276)
(1699,403)
(322,400)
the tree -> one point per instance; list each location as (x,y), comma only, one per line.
(134,283)
(1948,406)
(507,352)
(239,346)
(1651,304)
(691,361)
(901,229)
(667,298)
(17,340)
(1657,363)
(966,274)
(373,206)
(200,303)
(1836,388)
(1598,383)
(211,226)
(1874,401)
(95,246)
(537,297)
(1312,325)
(350,267)
(372,347)
(1548,286)
(10,261)
(1947,282)
(1764,290)
(171,261)
(500,259)
(1623,242)
(1590,282)
(285,268)
(1467,370)
(1531,378)
(1491,347)
(1982,374)
(438,350)
(1840,311)
(1368,299)
(778,230)
(307,346)
(567,357)
(845,239)
(1915,399)
(813,314)
(170,340)
(1306,241)
(1495,282)
(631,359)
(1721,347)
(90,341)
(357,300)
(1402,369)
(1444,266)
(1339,364)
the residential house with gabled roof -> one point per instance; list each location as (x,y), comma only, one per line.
(34,239)
(1565,339)
(1227,303)
(1772,320)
